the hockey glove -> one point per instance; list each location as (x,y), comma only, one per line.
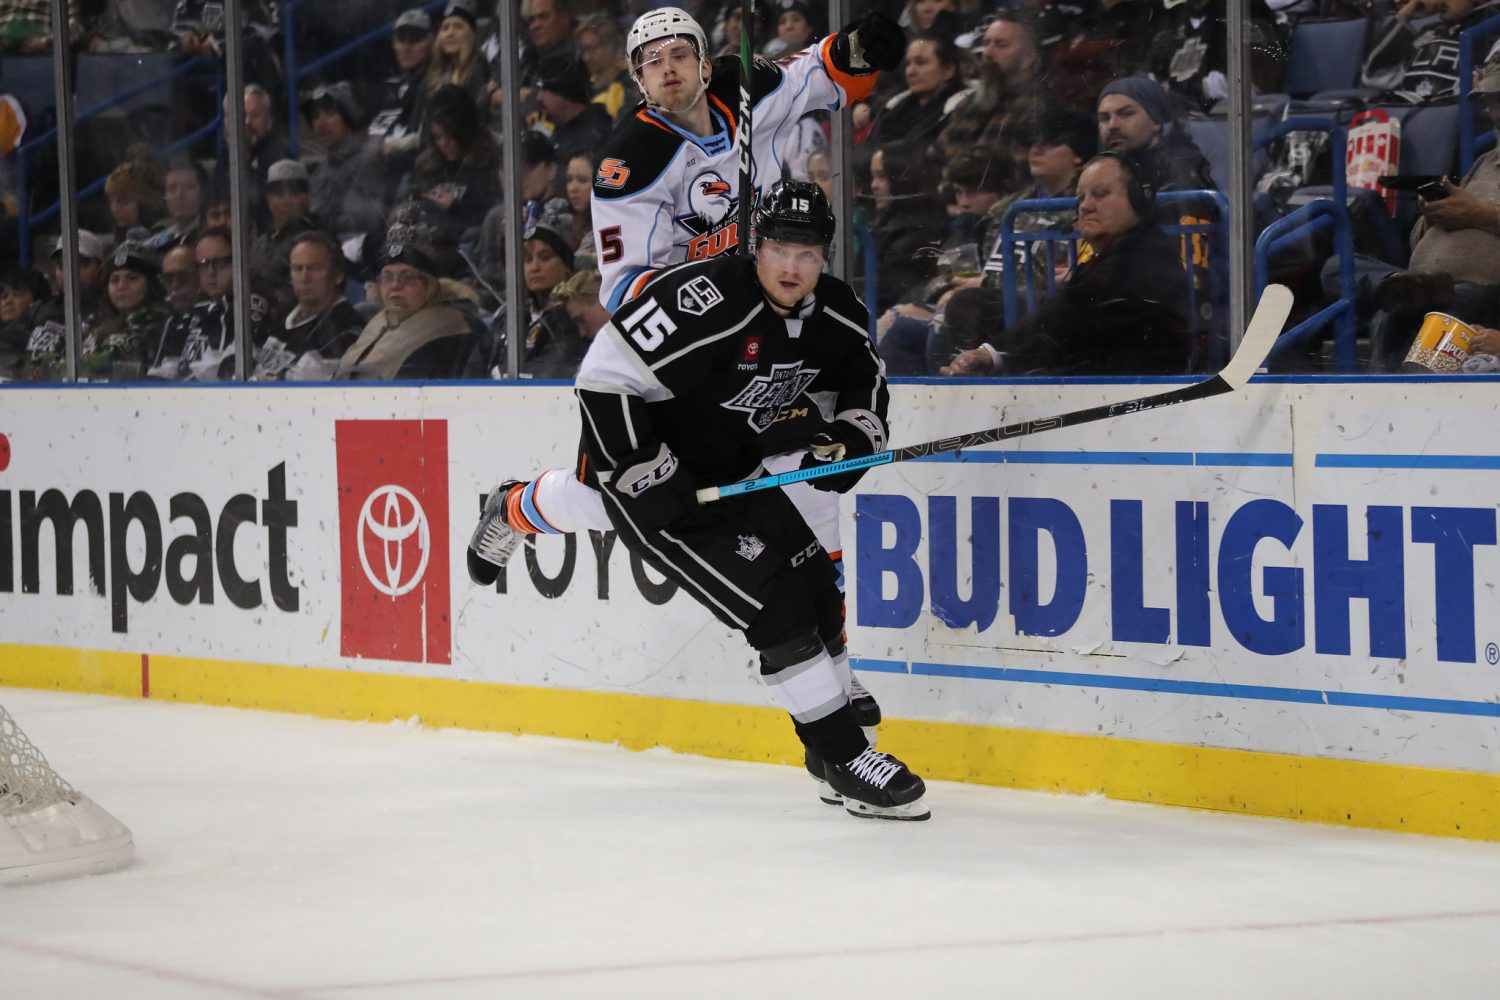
(855,434)
(874,43)
(654,488)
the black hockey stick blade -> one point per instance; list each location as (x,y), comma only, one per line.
(1265,326)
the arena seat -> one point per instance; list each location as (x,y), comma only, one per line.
(1326,55)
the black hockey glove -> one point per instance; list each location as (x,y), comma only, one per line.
(655,488)
(853,435)
(872,44)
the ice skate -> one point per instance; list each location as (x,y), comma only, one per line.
(494,540)
(816,766)
(876,785)
(864,706)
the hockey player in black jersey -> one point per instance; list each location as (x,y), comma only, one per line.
(676,392)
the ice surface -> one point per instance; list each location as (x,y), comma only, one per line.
(290,857)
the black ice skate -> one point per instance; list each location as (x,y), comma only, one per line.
(876,785)
(863,704)
(494,541)
(816,766)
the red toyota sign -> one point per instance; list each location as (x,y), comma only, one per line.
(393,539)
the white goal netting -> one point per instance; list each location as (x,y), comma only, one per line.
(48,829)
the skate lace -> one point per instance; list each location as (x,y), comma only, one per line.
(874,767)
(497,539)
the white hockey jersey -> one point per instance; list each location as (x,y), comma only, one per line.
(662,196)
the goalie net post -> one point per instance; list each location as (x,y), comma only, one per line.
(48,829)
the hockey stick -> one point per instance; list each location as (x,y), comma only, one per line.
(1265,326)
(747,68)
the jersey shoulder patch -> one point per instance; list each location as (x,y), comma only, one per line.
(635,155)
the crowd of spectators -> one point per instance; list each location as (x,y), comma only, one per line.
(379,251)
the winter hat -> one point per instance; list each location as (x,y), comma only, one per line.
(1144,91)
(565,76)
(463,9)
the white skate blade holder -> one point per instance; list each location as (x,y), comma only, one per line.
(911,811)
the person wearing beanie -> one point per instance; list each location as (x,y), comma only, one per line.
(427,325)
(559,337)
(397,126)
(1135,119)
(457,171)
(456,59)
(569,114)
(120,339)
(349,186)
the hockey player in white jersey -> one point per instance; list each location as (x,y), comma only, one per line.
(677,391)
(667,190)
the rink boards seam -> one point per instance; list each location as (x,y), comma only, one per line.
(1314,789)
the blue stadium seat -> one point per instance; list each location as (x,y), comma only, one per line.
(1326,55)
(29,78)
(1211,135)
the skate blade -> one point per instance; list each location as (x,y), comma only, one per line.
(911,811)
(827,795)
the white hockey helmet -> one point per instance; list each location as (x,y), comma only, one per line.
(664,22)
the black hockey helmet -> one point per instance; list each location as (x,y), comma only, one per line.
(795,212)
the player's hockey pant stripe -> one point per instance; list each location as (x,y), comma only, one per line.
(811,690)
(533,512)
(715,573)
(705,596)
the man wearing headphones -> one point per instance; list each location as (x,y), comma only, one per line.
(1123,310)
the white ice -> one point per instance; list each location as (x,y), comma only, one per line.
(291,857)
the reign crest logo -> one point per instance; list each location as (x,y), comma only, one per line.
(765,395)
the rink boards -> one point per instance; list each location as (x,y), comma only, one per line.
(1283,602)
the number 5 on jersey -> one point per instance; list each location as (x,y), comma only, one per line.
(648,325)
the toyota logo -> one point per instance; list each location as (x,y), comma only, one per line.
(392,514)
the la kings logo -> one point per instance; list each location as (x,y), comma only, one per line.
(765,395)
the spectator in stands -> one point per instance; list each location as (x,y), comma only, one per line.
(322,326)
(348,187)
(1455,253)
(561,86)
(601,46)
(554,342)
(580,296)
(266,144)
(179,276)
(550,25)
(90,269)
(797,27)
(939,17)
(1109,41)
(131,26)
(909,220)
(539,173)
(1123,311)
(289,207)
(23,293)
(820,172)
(134,193)
(398,124)
(1190,53)
(578,186)
(934,89)
(1007,98)
(458,170)
(1419,63)
(1135,119)
(457,61)
(198,26)
(26,25)
(427,325)
(725,40)
(1053,20)
(549,261)
(120,339)
(218,210)
(184,185)
(198,345)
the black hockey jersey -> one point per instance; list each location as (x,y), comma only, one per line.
(699,361)
(662,196)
